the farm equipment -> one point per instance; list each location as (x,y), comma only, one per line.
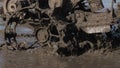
(61,21)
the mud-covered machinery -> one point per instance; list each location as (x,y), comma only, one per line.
(59,21)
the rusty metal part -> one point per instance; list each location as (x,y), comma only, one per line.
(55,3)
(96,29)
(118,11)
(42,35)
(74,2)
(9,6)
(67,31)
(95,5)
(16,17)
(95,23)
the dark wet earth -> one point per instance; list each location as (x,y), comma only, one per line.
(40,58)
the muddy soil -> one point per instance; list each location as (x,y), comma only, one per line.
(46,58)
